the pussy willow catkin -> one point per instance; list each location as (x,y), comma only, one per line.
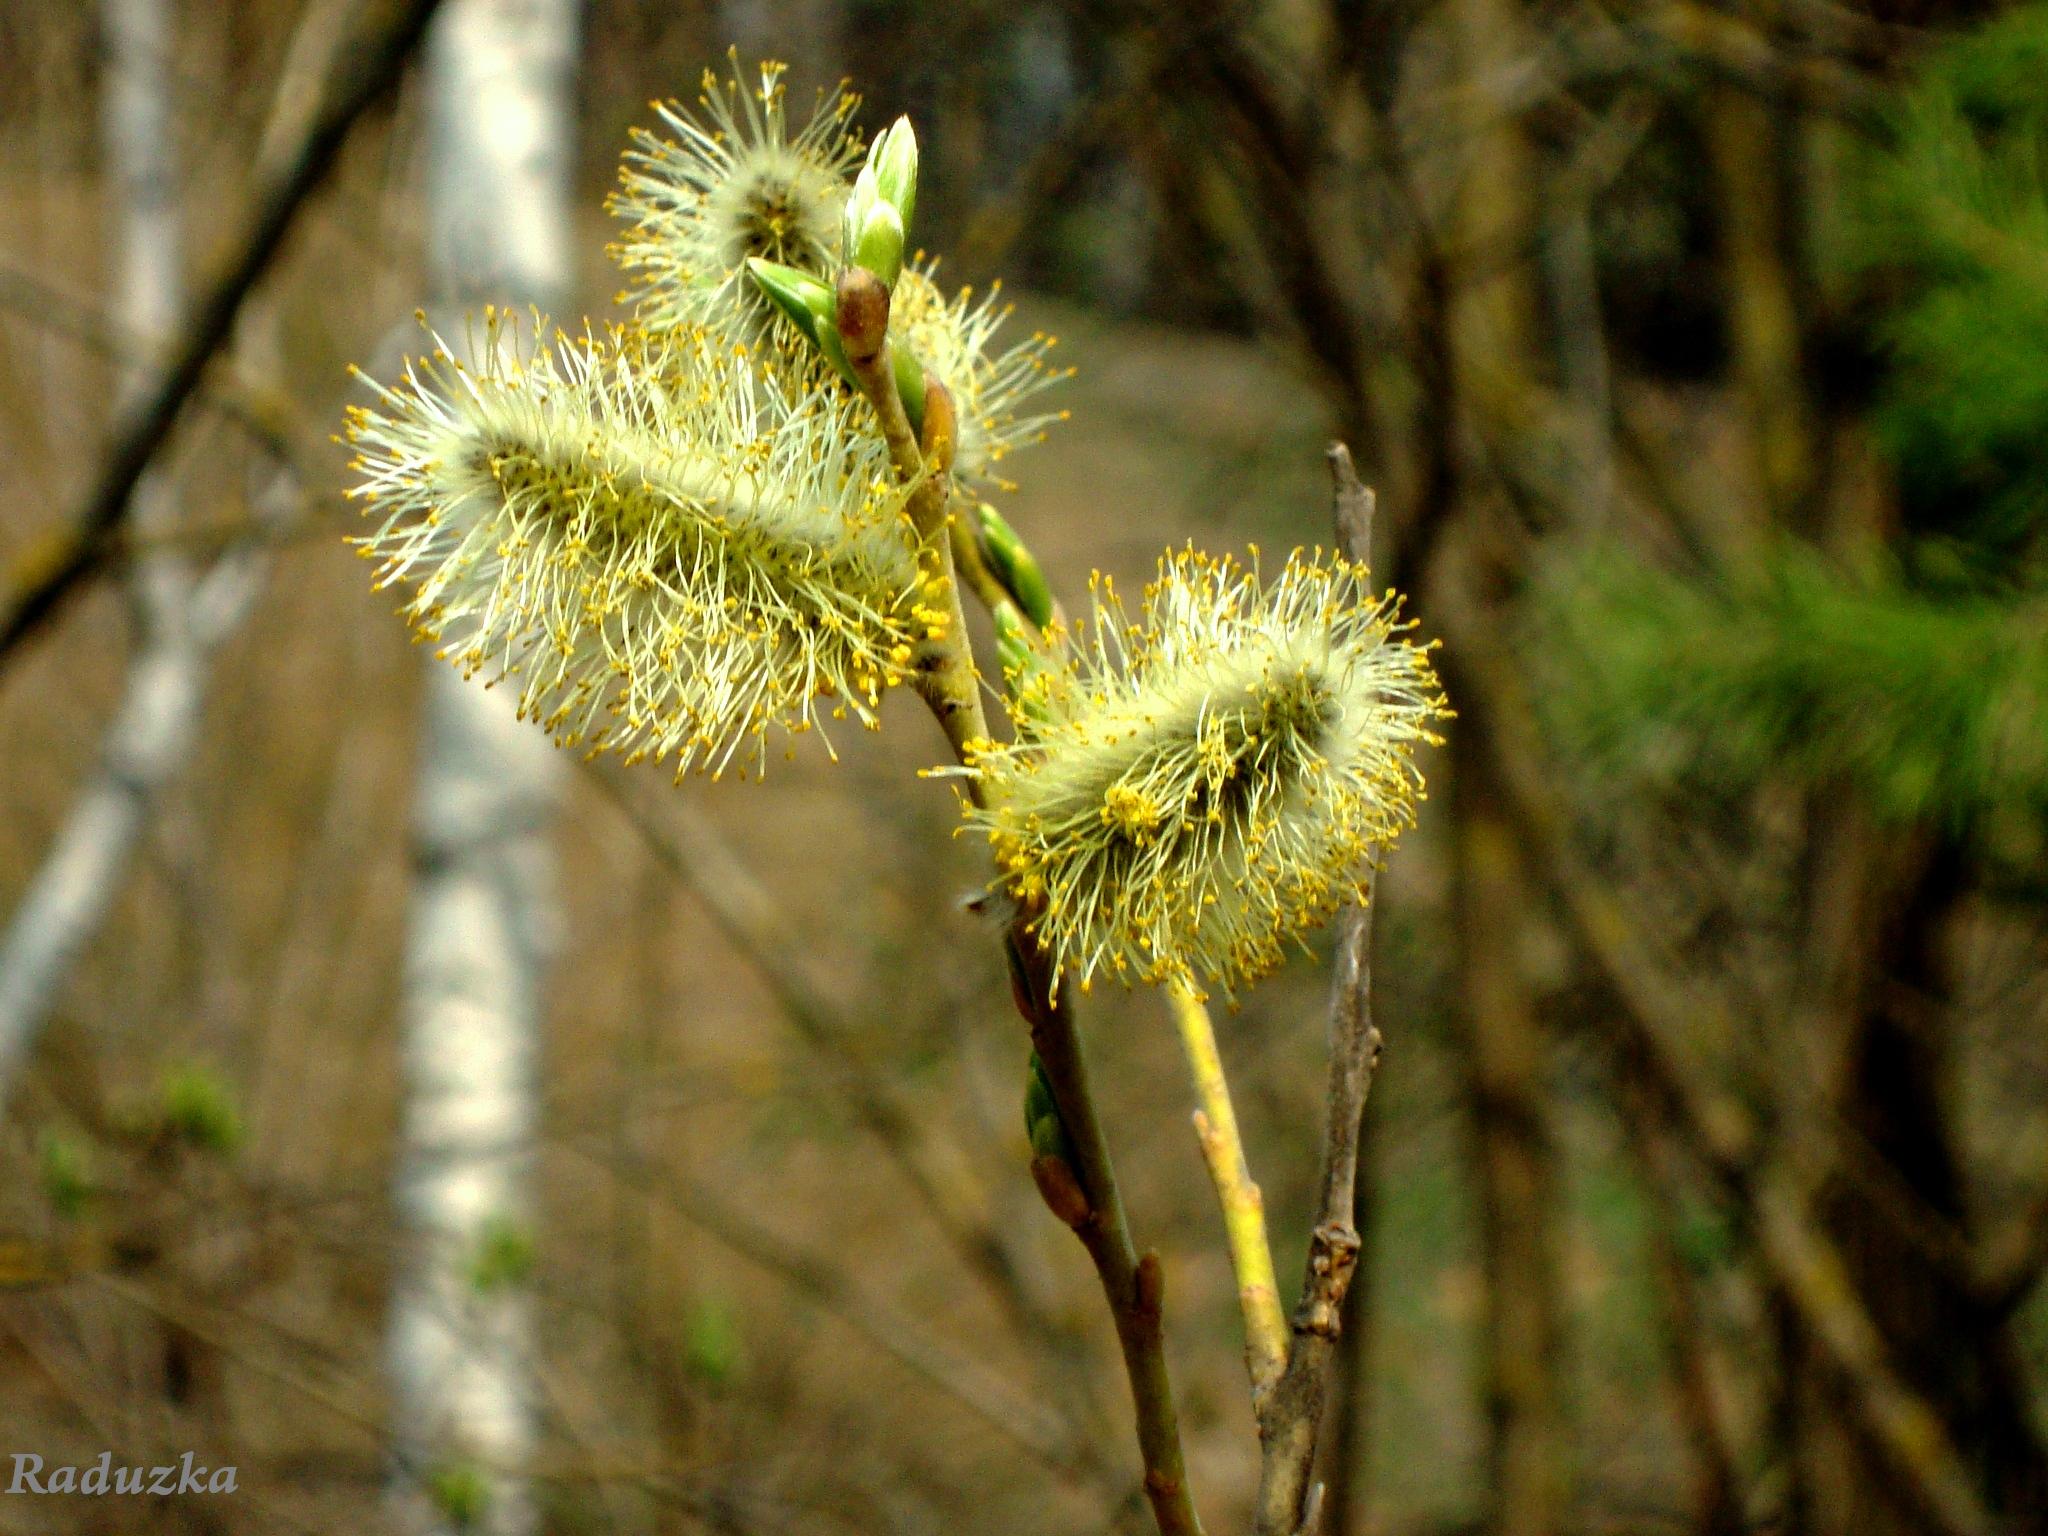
(732,183)
(668,549)
(1190,791)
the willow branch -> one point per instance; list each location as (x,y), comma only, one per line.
(946,679)
(59,571)
(1244,1205)
(945,676)
(1291,1417)
(1134,1286)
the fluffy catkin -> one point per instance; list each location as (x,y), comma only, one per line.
(731,183)
(1189,792)
(670,549)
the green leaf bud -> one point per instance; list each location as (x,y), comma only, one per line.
(1042,1121)
(894,162)
(1054,1168)
(807,301)
(877,220)
(1017,649)
(878,245)
(909,383)
(1014,565)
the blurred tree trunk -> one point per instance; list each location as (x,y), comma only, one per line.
(1704,1414)
(1494,305)
(500,125)
(1895,1208)
(141,140)
(1877,1046)
(1505,1051)
(1747,142)
(1492,311)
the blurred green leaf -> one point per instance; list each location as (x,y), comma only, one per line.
(712,1345)
(67,1172)
(504,1256)
(195,1106)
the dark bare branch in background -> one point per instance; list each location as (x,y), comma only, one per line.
(367,76)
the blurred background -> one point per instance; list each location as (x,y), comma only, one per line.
(454,1136)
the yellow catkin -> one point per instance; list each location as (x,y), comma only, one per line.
(729,182)
(1191,790)
(669,549)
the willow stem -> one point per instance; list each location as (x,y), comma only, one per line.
(1134,1286)
(1290,1416)
(947,680)
(1244,1206)
(945,676)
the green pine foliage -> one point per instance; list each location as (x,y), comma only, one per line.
(1926,688)
(1955,210)
(1937,708)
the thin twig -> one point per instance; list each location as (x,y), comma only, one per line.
(1290,1419)
(946,679)
(945,676)
(265,413)
(1244,1206)
(58,573)
(1134,1286)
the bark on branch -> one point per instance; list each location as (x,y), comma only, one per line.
(947,680)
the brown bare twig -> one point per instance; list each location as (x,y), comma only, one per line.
(1134,1286)
(1290,1418)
